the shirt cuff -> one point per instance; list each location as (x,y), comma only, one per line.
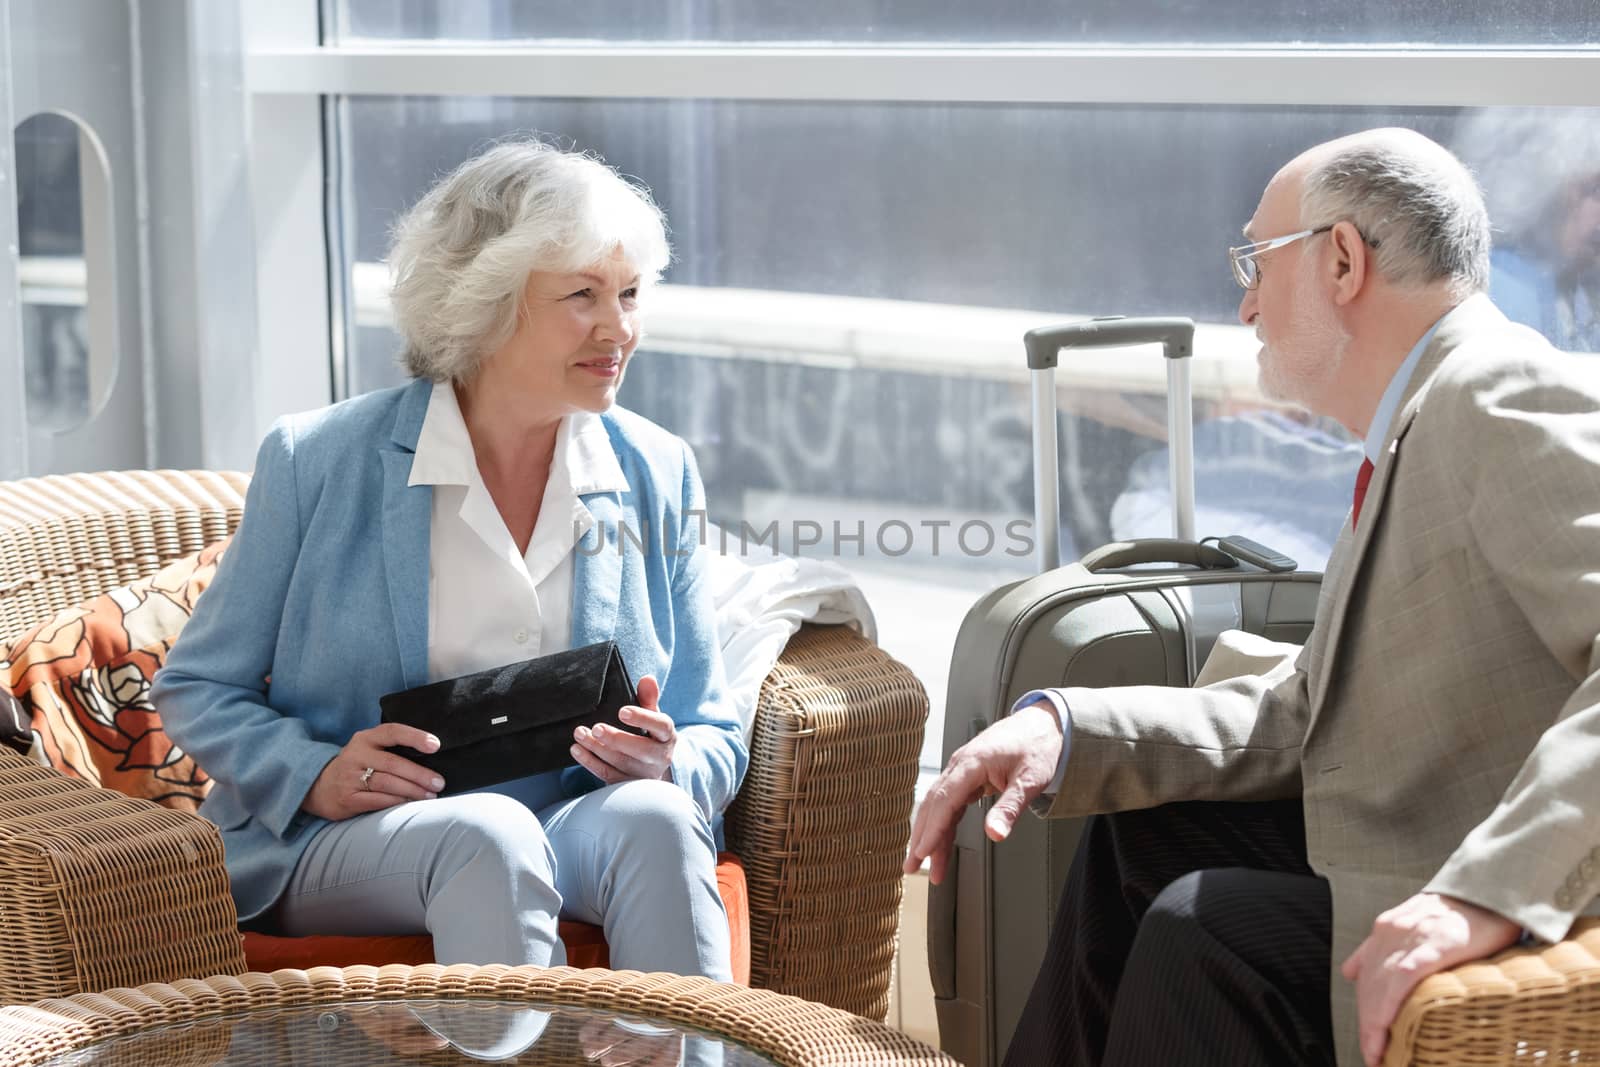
(1057,701)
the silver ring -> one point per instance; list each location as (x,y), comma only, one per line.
(366,778)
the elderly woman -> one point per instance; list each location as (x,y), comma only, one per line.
(461,522)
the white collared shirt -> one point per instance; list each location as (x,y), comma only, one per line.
(488,604)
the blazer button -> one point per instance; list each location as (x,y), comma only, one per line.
(520,637)
(1586,869)
(1563,899)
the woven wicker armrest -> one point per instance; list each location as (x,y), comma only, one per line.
(1539,1004)
(68,537)
(822,821)
(100,890)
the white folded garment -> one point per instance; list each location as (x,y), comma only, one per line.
(760,607)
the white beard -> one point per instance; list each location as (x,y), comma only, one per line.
(1300,368)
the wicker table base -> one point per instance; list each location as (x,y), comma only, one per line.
(196,1021)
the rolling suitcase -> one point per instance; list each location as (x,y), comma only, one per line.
(1133,613)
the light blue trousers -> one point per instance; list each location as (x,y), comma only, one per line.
(488,873)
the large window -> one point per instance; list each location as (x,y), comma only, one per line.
(839,334)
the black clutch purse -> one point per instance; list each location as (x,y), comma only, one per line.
(516,720)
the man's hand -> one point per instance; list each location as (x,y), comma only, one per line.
(1016,757)
(1424,935)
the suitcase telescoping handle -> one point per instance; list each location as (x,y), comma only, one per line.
(1176,338)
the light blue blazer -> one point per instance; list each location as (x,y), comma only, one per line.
(320,606)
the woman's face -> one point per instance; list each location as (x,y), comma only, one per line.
(575,334)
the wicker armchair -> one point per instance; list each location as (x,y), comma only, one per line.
(100,890)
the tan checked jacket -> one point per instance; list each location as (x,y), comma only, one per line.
(1442,723)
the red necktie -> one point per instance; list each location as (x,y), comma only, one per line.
(1363,476)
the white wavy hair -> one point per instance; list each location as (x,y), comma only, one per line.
(460,258)
(1413,201)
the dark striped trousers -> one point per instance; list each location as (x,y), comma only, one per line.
(1187,934)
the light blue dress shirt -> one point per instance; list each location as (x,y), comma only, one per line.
(1388,404)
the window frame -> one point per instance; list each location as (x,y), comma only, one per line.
(1312,77)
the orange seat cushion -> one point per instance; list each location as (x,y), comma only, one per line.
(586,944)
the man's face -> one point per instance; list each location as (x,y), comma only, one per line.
(1302,340)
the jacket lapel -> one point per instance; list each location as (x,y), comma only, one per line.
(407,516)
(1357,541)
(1471,316)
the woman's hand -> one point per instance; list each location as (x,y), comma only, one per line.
(614,755)
(365,776)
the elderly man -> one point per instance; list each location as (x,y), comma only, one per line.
(1417,787)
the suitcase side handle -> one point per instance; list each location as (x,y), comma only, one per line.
(942,901)
(1120,554)
(942,930)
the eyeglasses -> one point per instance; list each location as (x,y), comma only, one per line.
(1243,257)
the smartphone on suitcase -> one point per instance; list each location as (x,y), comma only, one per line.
(1143,612)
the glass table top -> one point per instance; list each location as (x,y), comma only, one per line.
(437,1032)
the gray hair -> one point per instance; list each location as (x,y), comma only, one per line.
(461,257)
(1413,201)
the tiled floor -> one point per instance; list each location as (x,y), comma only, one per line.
(911,998)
